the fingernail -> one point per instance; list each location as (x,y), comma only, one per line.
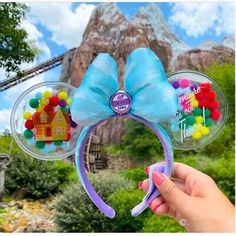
(146,169)
(158,178)
(140,185)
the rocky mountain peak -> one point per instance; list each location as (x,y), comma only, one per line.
(229,41)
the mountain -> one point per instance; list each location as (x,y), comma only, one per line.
(109,31)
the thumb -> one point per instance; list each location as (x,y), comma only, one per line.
(169,191)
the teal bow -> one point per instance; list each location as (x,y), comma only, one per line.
(153,97)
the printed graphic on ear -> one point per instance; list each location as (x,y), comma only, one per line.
(41,121)
(202,110)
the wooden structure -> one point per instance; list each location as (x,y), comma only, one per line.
(93,158)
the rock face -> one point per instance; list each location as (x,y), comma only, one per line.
(202,57)
(109,31)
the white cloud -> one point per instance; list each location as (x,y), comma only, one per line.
(196,19)
(5,119)
(66,25)
(36,36)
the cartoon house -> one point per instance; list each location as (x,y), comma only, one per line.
(51,126)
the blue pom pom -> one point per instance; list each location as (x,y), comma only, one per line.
(38,95)
(31,142)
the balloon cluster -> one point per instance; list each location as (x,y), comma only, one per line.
(198,108)
(48,128)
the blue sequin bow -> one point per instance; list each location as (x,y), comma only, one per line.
(153,97)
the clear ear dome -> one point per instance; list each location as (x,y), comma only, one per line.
(41,122)
(202,111)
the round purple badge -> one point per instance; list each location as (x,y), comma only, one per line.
(120,102)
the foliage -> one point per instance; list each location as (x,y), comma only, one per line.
(15,47)
(38,178)
(123,201)
(76,213)
(139,141)
(135,174)
(163,224)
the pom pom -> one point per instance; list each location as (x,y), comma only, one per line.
(40,144)
(215,115)
(203,103)
(34,103)
(54,100)
(27,115)
(62,103)
(200,96)
(207,113)
(204,130)
(190,120)
(211,95)
(48,108)
(47,94)
(44,102)
(195,103)
(28,134)
(62,95)
(197,111)
(184,82)
(38,95)
(175,84)
(196,135)
(199,119)
(209,122)
(68,101)
(29,124)
(205,87)
(213,105)
(58,142)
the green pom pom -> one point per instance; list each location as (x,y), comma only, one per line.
(209,122)
(197,111)
(34,103)
(207,113)
(40,144)
(28,134)
(190,120)
(64,109)
(58,142)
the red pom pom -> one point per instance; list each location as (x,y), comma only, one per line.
(54,101)
(203,103)
(48,108)
(211,95)
(48,142)
(200,96)
(68,137)
(213,105)
(215,115)
(205,87)
(29,124)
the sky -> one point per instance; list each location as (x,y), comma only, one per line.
(57,27)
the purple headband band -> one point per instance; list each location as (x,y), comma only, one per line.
(152,191)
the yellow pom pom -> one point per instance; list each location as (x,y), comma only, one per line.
(191,96)
(196,135)
(39,108)
(68,101)
(204,130)
(199,119)
(44,102)
(47,94)
(195,103)
(27,115)
(62,95)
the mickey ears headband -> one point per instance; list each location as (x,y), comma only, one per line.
(185,111)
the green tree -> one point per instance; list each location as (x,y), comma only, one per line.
(15,48)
